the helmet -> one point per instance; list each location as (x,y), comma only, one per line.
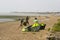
(35,18)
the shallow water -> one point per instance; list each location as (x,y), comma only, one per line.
(30,14)
(5,19)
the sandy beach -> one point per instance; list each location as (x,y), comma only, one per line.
(10,31)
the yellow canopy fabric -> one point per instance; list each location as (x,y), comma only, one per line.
(35,25)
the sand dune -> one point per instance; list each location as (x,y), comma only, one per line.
(10,31)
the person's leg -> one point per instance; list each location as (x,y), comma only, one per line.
(21,23)
(27,23)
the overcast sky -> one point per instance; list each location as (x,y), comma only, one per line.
(29,5)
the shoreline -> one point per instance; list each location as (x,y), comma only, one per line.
(31,14)
(16,18)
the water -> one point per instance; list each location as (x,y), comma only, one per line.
(29,14)
(5,19)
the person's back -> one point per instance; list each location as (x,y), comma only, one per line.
(35,20)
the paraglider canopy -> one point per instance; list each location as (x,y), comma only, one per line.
(42,24)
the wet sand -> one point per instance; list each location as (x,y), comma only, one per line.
(12,30)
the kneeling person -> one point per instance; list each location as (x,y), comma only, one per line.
(36,25)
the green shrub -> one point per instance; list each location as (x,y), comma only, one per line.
(48,29)
(56,26)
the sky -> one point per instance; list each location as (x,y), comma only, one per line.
(30,5)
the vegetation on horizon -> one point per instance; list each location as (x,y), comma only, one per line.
(9,16)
